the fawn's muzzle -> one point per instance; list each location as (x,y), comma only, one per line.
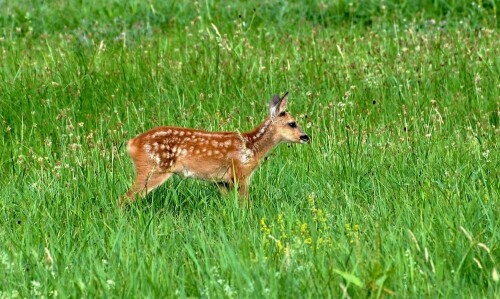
(304,139)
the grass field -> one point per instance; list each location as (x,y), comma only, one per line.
(397,196)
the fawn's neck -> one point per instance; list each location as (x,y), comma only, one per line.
(261,139)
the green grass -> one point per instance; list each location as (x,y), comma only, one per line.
(396,196)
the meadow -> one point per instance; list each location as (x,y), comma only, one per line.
(397,195)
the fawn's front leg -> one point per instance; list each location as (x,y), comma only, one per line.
(241,186)
(243,194)
(224,187)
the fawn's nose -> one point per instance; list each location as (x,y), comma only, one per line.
(304,138)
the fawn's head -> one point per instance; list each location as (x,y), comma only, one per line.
(284,123)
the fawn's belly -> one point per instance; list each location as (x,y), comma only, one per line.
(206,171)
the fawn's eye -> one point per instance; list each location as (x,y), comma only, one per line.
(292,124)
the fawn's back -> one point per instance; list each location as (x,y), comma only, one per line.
(189,152)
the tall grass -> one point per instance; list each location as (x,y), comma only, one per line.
(396,196)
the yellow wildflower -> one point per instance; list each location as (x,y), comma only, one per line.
(264,228)
(303,228)
(279,245)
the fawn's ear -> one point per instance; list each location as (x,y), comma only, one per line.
(278,104)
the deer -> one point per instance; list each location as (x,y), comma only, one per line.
(225,158)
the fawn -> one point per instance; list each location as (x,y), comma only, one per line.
(226,158)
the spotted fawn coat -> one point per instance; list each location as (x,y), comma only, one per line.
(227,158)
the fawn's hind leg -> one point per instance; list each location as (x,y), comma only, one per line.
(144,184)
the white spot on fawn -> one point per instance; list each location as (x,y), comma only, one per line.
(160,133)
(262,130)
(186,173)
(246,155)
